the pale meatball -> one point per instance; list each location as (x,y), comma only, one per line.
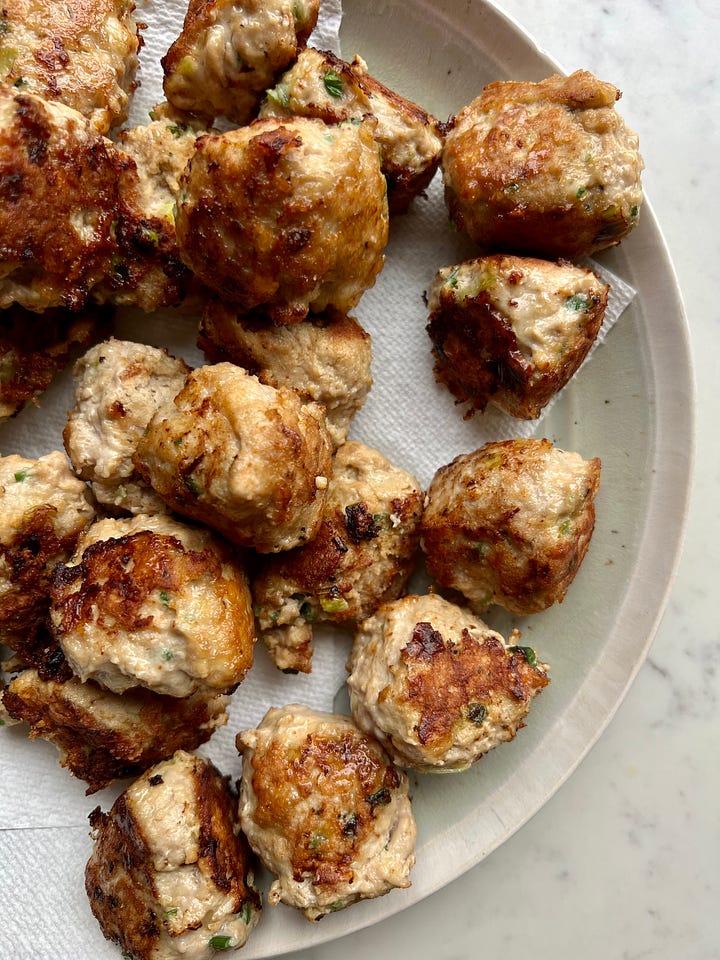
(247,459)
(103,736)
(436,686)
(170,874)
(151,602)
(548,169)
(285,217)
(119,385)
(325,810)
(326,358)
(58,203)
(510,523)
(230,51)
(512,330)
(362,556)
(43,510)
(81,54)
(410,139)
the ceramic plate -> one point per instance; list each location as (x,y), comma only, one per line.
(631,405)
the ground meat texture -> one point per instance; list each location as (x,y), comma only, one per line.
(58,203)
(103,736)
(326,358)
(230,51)
(81,54)
(119,385)
(151,602)
(410,139)
(510,523)
(285,217)
(325,810)
(547,169)
(170,875)
(362,556)
(512,330)
(436,685)
(246,459)
(43,510)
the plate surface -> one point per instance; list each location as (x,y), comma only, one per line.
(631,405)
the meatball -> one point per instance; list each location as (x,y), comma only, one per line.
(102,736)
(325,810)
(170,874)
(151,602)
(410,139)
(548,169)
(58,203)
(230,51)
(326,358)
(285,217)
(362,556)
(119,385)
(512,330)
(247,459)
(436,686)
(43,510)
(510,523)
(81,54)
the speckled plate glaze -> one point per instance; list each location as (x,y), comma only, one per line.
(632,406)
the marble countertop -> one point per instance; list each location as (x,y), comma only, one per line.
(623,862)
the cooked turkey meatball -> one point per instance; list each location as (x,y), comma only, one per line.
(510,523)
(58,203)
(548,169)
(512,330)
(436,686)
(119,385)
(43,510)
(410,139)
(151,602)
(325,810)
(326,358)
(285,217)
(362,556)
(103,736)
(170,874)
(230,51)
(247,459)
(81,54)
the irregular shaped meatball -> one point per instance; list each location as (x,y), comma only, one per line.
(103,736)
(362,556)
(247,459)
(170,874)
(512,330)
(436,686)
(58,203)
(410,139)
(119,385)
(81,54)
(285,217)
(510,523)
(151,602)
(230,51)
(548,169)
(43,510)
(325,810)
(326,359)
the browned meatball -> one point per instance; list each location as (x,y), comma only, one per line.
(512,330)
(548,169)
(170,874)
(510,523)
(285,217)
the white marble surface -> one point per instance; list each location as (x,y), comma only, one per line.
(623,863)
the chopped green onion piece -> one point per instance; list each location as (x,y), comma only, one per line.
(333,83)
(220,942)
(167,655)
(164,596)
(564,527)
(246,912)
(279,95)
(172,912)
(579,301)
(333,604)
(337,905)
(20,476)
(526,652)
(581,192)
(634,211)
(452,278)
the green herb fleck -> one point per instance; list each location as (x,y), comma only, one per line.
(4,26)
(20,476)
(246,912)
(337,905)
(564,527)
(316,841)
(333,83)
(172,912)
(526,652)
(581,192)
(274,615)
(452,278)
(192,486)
(578,301)
(280,95)
(383,520)
(178,441)
(220,942)
(333,604)
(512,188)
(20,82)
(633,211)
(308,612)
(152,236)
(164,597)
(176,130)
(167,655)
(477,712)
